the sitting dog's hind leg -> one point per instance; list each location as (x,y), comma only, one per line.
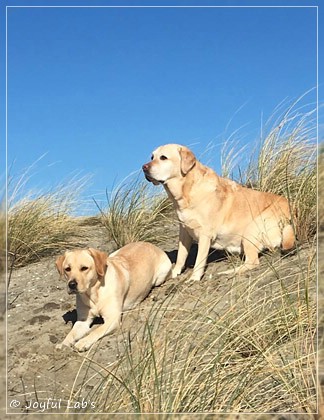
(251,251)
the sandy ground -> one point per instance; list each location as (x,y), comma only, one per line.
(40,314)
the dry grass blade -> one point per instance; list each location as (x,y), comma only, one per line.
(245,345)
(255,354)
(41,224)
(2,235)
(284,162)
(135,214)
(321,187)
(250,349)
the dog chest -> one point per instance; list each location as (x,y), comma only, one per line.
(189,219)
(84,301)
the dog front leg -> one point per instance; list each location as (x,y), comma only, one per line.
(111,323)
(185,242)
(201,259)
(79,330)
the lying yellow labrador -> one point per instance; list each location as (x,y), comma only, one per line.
(107,286)
(218,212)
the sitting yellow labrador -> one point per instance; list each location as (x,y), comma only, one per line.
(218,212)
(107,286)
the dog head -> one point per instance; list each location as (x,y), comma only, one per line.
(82,268)
(169,161)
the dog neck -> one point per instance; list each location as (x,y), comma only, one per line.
(174,189)
(179,188)
(90,297)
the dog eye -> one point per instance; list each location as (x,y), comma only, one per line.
(67,269)
(84,268)
(152,157)
(163,157)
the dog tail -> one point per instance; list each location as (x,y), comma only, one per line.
(288,238)
(289,231)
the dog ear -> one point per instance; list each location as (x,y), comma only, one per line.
(188,160)
(59,264)
(100,259)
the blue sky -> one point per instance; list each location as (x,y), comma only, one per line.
(95,90)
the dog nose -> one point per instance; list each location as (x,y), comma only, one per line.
(73,285)
(145,167)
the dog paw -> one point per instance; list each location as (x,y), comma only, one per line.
(193,279)
(82,345)
(175,272)
(60,346)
